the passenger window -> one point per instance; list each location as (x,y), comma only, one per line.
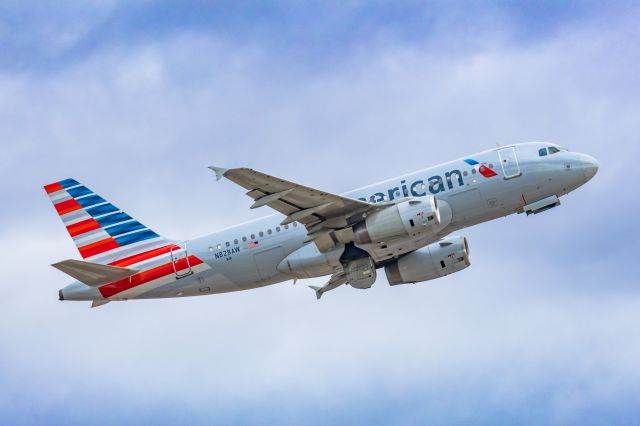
(235,241)
(219,246)
(553,150)
(542,152)
(269,231)
(261,234)
(227,244)
(295,224)
(277,229)
(253,236)
(286,227)
(244,239)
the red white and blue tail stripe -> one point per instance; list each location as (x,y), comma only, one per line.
(102,232)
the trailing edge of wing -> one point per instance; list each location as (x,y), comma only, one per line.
(317,210)
(266,199)
(93,274)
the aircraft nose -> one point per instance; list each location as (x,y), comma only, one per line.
(589,167)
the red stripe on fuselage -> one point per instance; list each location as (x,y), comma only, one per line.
(82,227)
(53,187)
(149,275)
(67,206)
(98,247)
(139,257)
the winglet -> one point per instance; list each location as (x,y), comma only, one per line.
(318,291)
(219,171)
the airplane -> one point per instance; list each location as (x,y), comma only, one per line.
(402,225)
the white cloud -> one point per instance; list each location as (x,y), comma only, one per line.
(140,124)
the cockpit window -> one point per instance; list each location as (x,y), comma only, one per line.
(553,150)
(542,152)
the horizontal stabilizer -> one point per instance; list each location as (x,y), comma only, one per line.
(93,274)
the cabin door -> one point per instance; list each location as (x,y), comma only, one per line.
(509,162)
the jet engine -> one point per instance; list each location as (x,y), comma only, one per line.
(414,217)
(309,262)
(436,260)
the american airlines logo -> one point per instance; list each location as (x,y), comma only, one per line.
(433,185)
(481,168)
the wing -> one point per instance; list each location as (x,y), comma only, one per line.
(327,217)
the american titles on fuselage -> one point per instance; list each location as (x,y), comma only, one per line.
(434,185)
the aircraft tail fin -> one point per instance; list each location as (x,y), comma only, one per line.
(102,232)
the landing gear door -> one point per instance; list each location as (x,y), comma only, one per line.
(180,260)
(509,162)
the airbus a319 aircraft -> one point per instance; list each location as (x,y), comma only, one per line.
(401,225)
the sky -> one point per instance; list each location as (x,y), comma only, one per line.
(135,99)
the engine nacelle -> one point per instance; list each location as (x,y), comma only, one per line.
(414,217)
(433,261)
(309,262)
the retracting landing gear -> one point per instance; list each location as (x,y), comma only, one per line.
(358,270)
(361,273)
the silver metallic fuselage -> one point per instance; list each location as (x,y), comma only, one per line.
(473,199)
